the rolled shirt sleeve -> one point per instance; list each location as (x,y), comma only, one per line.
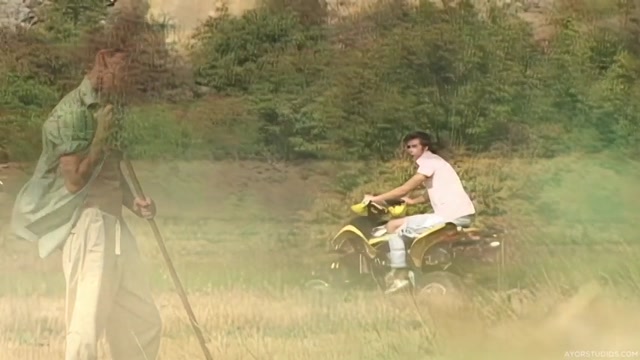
(68,132)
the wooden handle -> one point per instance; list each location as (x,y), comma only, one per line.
(134,179)
(172,271)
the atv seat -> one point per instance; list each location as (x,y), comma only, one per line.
(470,229)
(464,222)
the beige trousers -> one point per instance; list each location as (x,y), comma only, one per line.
(107,291)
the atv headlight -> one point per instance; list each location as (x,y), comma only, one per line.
(360,208)
(397,210)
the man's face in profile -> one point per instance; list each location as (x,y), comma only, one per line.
(114,75)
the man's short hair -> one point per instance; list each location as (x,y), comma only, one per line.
(115,51)
(425,138)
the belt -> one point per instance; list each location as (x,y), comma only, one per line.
(118,230)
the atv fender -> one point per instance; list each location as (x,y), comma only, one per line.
(357,239)
(425,241)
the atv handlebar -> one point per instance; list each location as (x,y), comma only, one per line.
(394,202)
(388,203)
(394,207)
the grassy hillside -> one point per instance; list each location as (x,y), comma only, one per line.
(572,217)
(541,133)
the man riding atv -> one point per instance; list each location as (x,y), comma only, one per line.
(448,199)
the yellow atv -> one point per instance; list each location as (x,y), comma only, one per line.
(362,249)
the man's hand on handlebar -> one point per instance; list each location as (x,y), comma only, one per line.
(409,201)
(369,198)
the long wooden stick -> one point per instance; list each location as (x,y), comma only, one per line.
(176,280)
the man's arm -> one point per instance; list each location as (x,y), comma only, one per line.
(77,169)
(419,200)
(402,190)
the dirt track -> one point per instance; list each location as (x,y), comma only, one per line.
(206,189)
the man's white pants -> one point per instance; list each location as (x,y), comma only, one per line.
(107,290)
(412,228)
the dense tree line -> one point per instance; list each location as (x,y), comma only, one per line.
(302,86)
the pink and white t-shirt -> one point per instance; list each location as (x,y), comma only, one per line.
(446,194)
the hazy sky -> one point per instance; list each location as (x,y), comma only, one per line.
(187,14)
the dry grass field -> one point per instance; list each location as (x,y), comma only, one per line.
(243,238)
(284,323)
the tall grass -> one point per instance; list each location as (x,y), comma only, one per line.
(570,282)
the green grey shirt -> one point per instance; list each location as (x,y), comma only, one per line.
(44,210)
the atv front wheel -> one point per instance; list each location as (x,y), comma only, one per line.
(317,284)
(439,283)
